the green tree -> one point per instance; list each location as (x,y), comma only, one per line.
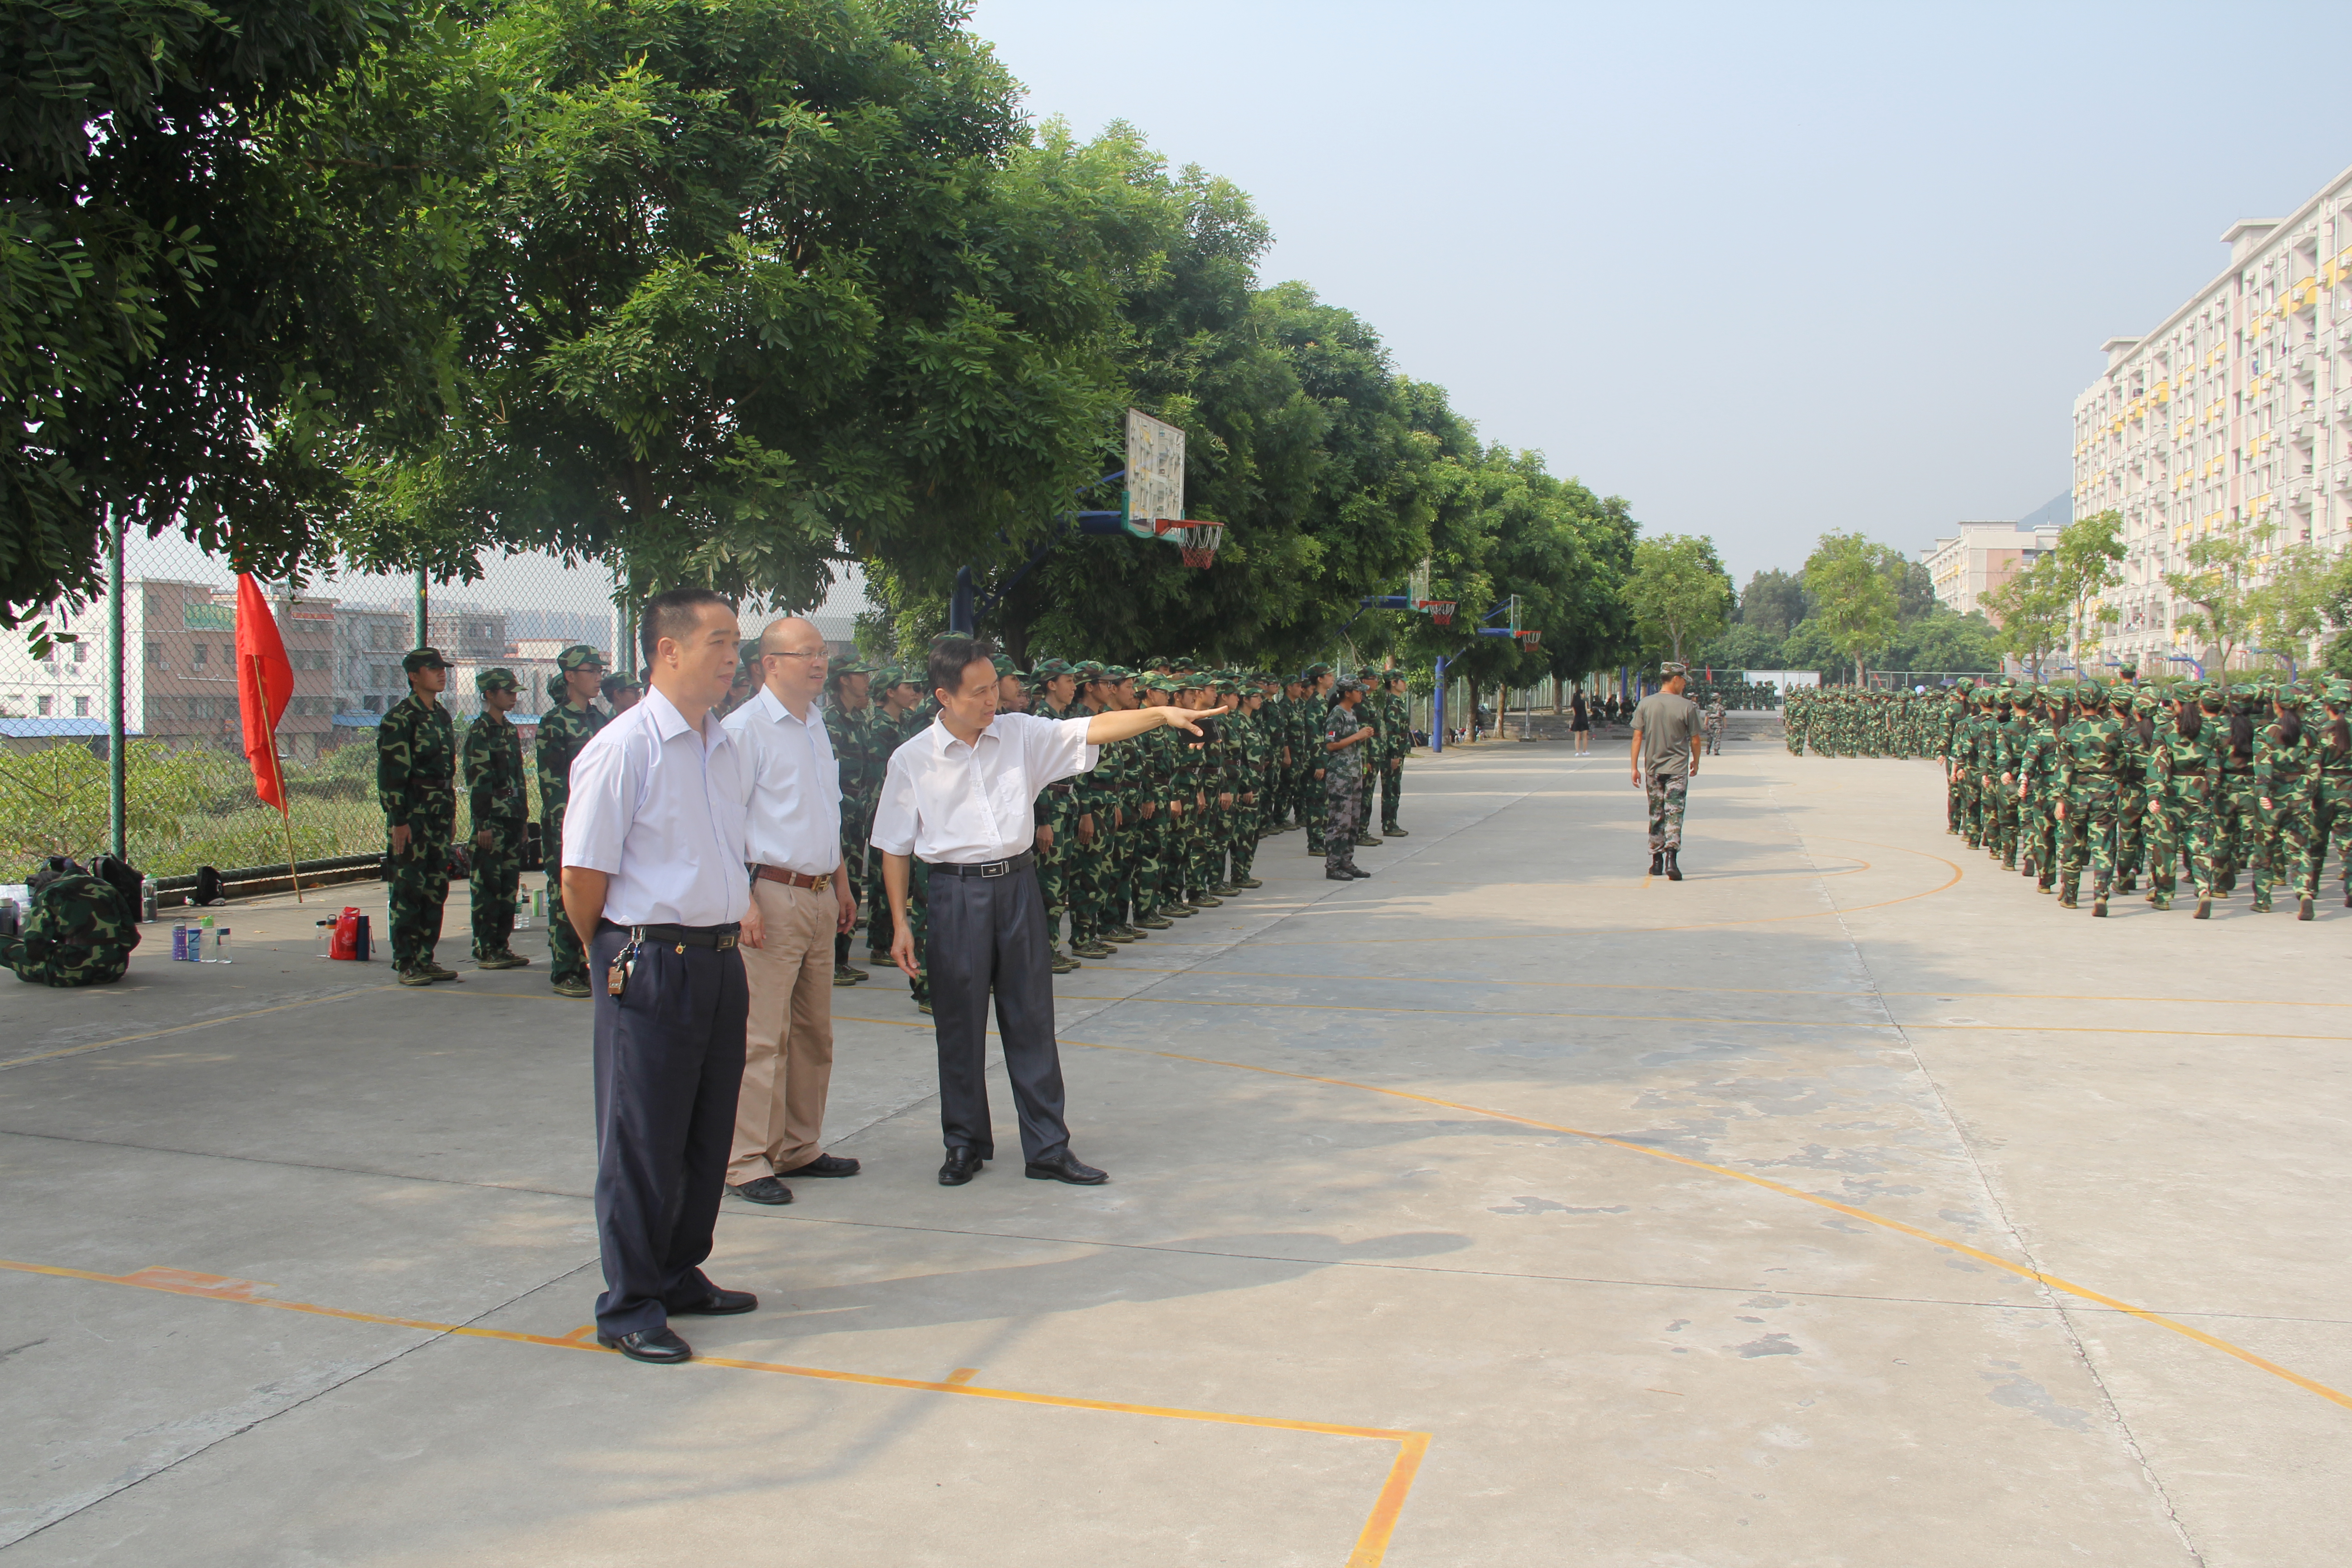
(1856,587)
(2218,584)
(195,236)
(2031,609)
(2082,567)
(1678,592)
(1775,601)
(2307,597)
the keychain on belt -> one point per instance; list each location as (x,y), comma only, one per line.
(616,979)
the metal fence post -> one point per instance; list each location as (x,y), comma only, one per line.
(423,616)
(116,803)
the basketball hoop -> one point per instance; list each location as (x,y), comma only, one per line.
(1530,638)
(1440,611)
(1197,541)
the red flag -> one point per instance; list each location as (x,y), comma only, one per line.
(265,680)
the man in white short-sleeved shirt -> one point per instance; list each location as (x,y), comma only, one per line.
(800,902)
(653,882)
(960,796)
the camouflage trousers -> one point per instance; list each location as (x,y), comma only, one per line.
(1054,865)
(2225,844)
(2131,829)
(418,884)
(1952,812)
(1249,822)
(1340,797)
(496,874)
(1391,786)
(2164,827)
(2287,829)
(918,926)
(2331,819)
(2087,832)
(1317,809)
(1998,808)
(2037,836)
(1971,795)
(1085,875)
(1668,793)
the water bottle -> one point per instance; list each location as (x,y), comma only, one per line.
(522,912)
(147,902)
(220,945)
(180,942)
(326,947)
(199,940)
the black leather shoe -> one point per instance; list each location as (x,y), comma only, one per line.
(824,1165)
(762,1190)
(660,1347)
(1338,875)
(1358,871)
(962,1166)
(1065,1167)
(719,1304)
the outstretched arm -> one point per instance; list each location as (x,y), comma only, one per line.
(1105,728)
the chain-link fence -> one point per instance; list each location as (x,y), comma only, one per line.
(189,798)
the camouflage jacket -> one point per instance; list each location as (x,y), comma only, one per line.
(416,767)
(1345,766)
(2090,751)
(562,730)
(494,777)
(2284,772)
(859,754)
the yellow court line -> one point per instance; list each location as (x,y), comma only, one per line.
(1371,1540)
(1954,996)
(1709,1023)
(183,1029)
(1886,1221)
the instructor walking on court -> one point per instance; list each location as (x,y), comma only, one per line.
(959,795)
(1665,760)
(654,881)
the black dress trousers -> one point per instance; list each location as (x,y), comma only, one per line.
(670,1070)
(988,933)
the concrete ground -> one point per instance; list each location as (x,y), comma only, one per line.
(1844,1203)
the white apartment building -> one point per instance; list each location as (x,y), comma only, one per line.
(1980,557)
(2235,413)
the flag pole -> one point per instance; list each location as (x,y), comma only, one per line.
(285,801)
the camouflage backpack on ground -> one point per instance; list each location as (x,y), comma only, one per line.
(80,931)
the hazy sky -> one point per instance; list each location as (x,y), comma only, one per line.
(1763,271)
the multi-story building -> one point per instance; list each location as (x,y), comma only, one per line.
(463,632)
(369,642)
(1980,557)
(2233,415)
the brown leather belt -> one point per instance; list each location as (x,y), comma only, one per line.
(794,878)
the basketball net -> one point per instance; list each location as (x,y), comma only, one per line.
(1196,542)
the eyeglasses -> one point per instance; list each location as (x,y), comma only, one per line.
(819,653)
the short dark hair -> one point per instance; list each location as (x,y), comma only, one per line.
(673,615)
(952,656)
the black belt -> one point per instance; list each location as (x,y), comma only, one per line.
(1021,862)
(719,937)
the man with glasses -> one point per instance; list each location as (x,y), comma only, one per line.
(801,899)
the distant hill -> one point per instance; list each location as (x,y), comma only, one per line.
(2058,512)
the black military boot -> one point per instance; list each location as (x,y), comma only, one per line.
(1674,869)
(1658,861)
(2303,911)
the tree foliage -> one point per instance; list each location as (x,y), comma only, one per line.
(1855,586)
(2218,580)
(1679,593)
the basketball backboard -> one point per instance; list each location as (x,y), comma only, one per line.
(1155,474)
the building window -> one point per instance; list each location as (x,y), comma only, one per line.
(199,655)
(155,654)
(81,706)
(372,704)
(45,706)
(81,653)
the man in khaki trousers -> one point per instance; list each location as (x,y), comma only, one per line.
(800,901)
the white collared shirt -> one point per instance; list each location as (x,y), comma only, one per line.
(656,804)
(791,786)
(955,804)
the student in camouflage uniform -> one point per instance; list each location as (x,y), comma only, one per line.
(1315,765)
(1345,736)
(415,771)
(2090,765)
(2135,710)
(2169,789)
(2230,838)
(499,810)
(849,728)
(2332,806)
(2037,785)
(1397,708)
(2286,784)
(572,719)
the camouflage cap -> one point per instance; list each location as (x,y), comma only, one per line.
(842,664)
(1047,668)
(1116,673)
(1315,672)
(2088,691)
(422,658)
(1341,687)
(579,656)
(2337,692)
(1964,684)
(496,675)
(1087,669)
(1005,666)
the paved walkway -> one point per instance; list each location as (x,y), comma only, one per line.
(1845,1204)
